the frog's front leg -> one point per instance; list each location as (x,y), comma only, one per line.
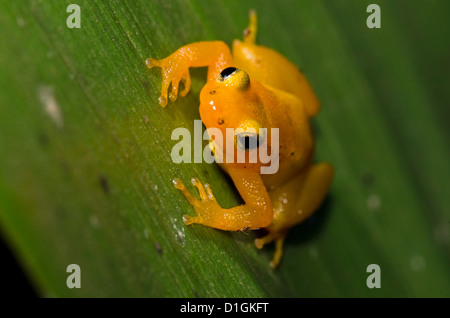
(175,68)
(257,212)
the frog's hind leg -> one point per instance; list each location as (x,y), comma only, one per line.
(315,188)
(294,202)
(251,31)
(279,238)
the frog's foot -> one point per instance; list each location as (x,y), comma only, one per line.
(206,207)
(250,31)
(171,74)
(186,80)
(279,240)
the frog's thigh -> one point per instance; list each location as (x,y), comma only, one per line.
(293,203)
(315,186)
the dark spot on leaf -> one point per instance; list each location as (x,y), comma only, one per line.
(104,184)
(43,139)
(367,179)
(158,248)
(65,168)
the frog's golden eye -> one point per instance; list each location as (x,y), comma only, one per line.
(250,135)
(234,77)
(229,71)
(247,141)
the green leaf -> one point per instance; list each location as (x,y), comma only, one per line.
(85,166)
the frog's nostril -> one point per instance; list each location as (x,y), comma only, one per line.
(227,72)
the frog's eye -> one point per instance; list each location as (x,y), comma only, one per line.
(229,71)
(250,135)
(234,77)
(247,141)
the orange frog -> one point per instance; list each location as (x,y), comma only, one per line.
(254,87)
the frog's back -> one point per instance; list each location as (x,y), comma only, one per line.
(271,68)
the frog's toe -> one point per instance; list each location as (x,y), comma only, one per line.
(260,242)
(186,80)
(209,192)
(152,63)
(278,252)
(187,194)
(173,96)
(278,237)
(188,219)
(206,209)
(201,190)
(162,100)
(174,92)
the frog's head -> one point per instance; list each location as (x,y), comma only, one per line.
(231,101)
